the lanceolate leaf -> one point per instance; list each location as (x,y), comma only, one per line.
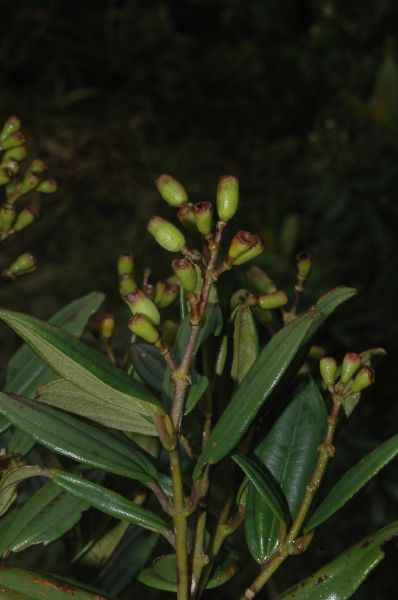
(109,502)
(289,450)
(339,579)
(266,486)
(43,518)
(21,584)
(245,348)
(354,480)
(263,378)
(9,481)
(75,439)
(81,365)
(67,396)
(149,364)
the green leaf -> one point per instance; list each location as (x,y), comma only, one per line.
(267,486)
(81,365)
(75,439)
(162,575)
(149,364)
(354,480)
(245,348)
(339,579)
(265,375)
(43,518)
(23,584)
(289,450)
(101,548)
(109,502)
(67,396)
(9,481)
(20,444)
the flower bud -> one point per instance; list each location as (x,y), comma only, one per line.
(255,251)
(239,297)
(203,213)
(37,166)
(7,217)
(48,186)
(142,326)
(273,300)
(139,303)
(241,243)
(263,316)
(165,294)
(186,216)
(127,284)
(303,262)
(260,281)
(25,263)
(18,154)
(13,190)
(13,140)
(11,165)
(5,176)
(317,352)
(107,327)
(171,190)
(166,234)
(125,264)
(29,183)
(227,197)
(328,367)
(12,125)
(186,273)
(25,218)
(351,363)
(363,379)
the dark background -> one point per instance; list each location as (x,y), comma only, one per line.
(299,99)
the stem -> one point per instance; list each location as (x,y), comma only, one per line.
(179,515)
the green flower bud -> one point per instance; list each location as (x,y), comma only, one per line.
(241,243)
(166,234)
(139,303)
(127,284)
(364,378)
(7,217)
(255,251)
(11,165)
(125,264)
(260,281)
(203,212)
(351,363)
(227,197)
(13,190)
(48,186)
(13,140)
(171,190)
(37,166)
(25,263)
(142,326)
(273,300)
(303,262)
(186,216)
(239,297)
(12,125)
(29,183)
(5,176)
(317,352)
(107,327)
(328,367)
(25,218)
(18,154)
(263,316)
(186,273)
(165,294)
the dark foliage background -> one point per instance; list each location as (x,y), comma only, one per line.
(300,99)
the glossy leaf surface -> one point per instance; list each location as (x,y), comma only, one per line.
(149,364)
(109,502)
(354,480)
(245,346)
(289,450)
(75,439)
(339,579)
(9,481)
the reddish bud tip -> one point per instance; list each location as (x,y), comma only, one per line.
(203,213)
(351,363)
(363,379)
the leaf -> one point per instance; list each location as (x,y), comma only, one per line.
(9,481)
(75,439)
(109,502)
(43,518)
(339,579)
(67,396)
(162,575)
(23,584)
(81,365)
(354,480)
(149,364)
(265,375)
(267,486)
(245,348)
(20,443)
(289,450)
(100,549)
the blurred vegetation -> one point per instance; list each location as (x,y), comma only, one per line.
(300,99)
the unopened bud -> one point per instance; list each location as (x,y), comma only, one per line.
(166,234)
(273,300)
(238,298)
(351,363)
(363,379)
(12,125)
(26,263)
(18,154)
(37,166)
(7,217)
(127,284)
(203,212)
(186,273)
(11,165)
(317,352)
(171,190)
(25,218)
(48,186)
(107,327)
(142,326)
(186,216)
(125,264)
(29,183)
(255,251)
(13,140)
(303,262)
(260,281)
(139,303)
(227,197)
(263,316)
(328,367)
(165,294)
(5,176)
(241,243)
